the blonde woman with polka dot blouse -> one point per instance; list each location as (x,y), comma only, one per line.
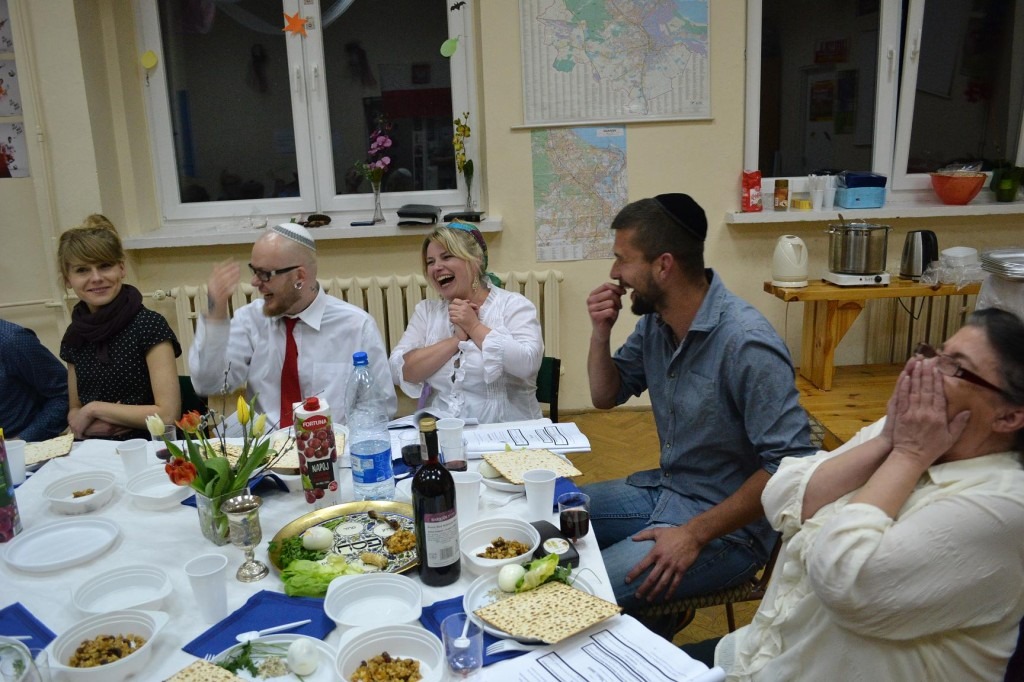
(120,355)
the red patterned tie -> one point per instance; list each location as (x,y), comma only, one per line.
(290,391)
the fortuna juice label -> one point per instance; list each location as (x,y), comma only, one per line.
(318,456)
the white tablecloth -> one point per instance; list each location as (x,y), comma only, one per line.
(169,538)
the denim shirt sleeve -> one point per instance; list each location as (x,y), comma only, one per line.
(630,361)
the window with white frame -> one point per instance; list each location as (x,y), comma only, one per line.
(247,117)
(898,87)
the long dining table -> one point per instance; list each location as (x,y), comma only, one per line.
(169,537)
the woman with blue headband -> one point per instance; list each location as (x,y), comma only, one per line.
(478,348)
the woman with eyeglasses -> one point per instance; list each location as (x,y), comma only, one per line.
(120,354)
(478,348)
(902,553)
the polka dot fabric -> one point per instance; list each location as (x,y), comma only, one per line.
(126,378)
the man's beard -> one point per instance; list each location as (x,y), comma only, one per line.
(649,301)
(641,306)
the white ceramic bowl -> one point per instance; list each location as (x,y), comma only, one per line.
(145,624)
(476,537)
(127,587)
(59,493)
(373,599)
(400,641)
(151,489)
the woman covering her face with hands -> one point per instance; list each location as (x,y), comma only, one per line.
(902,556)
(478,348)
(120,354)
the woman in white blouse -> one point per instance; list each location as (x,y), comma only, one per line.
(478,348)
(902,556)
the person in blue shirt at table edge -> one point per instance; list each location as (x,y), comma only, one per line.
(722,390)
(33,386)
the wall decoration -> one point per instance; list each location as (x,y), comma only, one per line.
(13,152)
(596,63)
(6,34)
(295,24)
(10,94)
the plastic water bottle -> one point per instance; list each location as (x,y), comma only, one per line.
(373,478)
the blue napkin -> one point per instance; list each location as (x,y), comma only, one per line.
(563,485)
(263,610)
(432,616)
(16,620)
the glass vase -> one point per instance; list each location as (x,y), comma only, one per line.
(212,521)
(378,213)
(469,193)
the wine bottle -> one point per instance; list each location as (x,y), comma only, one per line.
(433,504)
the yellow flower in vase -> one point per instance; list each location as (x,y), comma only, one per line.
(463,164)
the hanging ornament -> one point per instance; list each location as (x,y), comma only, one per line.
(296,24)
(148,59)
(449,46)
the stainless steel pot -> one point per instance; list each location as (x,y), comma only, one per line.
(857,248)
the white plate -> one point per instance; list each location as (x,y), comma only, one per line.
(403,490)
(324,671)
(480,594)
(503,485)
(61,544)
(151,489)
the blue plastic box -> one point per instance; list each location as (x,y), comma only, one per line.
(860,197)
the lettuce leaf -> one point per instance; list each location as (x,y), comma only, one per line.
(303,578)
(540,571)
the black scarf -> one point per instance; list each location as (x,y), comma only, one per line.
(104,324)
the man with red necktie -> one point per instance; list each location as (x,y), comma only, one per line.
(295,342)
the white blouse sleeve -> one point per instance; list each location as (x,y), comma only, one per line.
(415,336)
(515,345)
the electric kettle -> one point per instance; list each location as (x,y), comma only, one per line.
(920,248)
(789,263)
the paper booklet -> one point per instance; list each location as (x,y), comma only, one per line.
(562,437)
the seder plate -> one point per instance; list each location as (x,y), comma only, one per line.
(356,532)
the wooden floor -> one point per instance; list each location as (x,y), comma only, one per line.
(624,441)
(858,397)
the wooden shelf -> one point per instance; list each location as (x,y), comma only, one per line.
(897,288)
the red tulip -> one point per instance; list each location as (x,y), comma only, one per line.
(180,471)
(190,422)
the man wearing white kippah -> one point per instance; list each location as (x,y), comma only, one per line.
(295,342)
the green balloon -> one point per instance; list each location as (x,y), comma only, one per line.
(449,46)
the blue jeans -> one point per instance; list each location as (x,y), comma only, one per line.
(618,511)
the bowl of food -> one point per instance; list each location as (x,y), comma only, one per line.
(107,647)
(391,652)
(126,587)
(373,599)
(490,544)
(957,187)
(80,493)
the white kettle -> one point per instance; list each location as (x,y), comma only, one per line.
(789,263)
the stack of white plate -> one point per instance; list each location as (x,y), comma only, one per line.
(1007,263)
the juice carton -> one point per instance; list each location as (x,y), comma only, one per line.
(318,456)
(10,521)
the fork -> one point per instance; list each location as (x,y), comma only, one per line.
(504,645)
(510,498)
(209,658)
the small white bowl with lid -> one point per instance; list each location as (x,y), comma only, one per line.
(373,599)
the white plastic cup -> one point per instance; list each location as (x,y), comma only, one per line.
(467,496)
(134,455)
(16,460)
(540,493)
(206,573)
(829,198)
(817,199)
(449,439)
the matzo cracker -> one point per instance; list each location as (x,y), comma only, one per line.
(550,613)
(514,463)
(48,449)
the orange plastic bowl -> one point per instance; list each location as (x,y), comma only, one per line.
(959,187)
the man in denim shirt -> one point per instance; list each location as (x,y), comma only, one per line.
(725,404)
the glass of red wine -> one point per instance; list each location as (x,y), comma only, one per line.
(160,447)
(574,515)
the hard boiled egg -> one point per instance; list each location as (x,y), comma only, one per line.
(487,471)
(303,657)
(508,576)
(317,537)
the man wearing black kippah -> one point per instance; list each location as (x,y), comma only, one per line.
(722,390)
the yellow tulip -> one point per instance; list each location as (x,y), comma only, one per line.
(243,411)
(259,425)
(155,425)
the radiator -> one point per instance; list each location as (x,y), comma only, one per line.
(389,299)
(896,325)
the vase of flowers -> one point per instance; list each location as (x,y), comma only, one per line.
(462,164)
(210,468)
(377,162)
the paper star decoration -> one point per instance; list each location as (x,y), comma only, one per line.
(296,24)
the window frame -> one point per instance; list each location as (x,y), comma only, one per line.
(311,121)
(891,134)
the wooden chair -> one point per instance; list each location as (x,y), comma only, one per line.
(681,609)
(548,379)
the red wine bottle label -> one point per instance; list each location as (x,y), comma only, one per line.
(442,538)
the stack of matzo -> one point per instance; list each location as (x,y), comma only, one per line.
(514,463)
(550,613)
(202,671)
(48,449)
